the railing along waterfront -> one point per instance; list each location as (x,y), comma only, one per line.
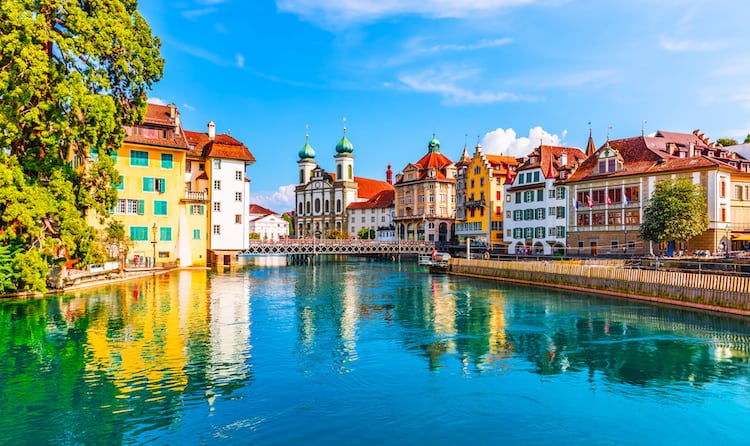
(713,290)
(337,246)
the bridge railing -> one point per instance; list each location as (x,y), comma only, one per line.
(337,246)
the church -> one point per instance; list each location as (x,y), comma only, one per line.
(322,198)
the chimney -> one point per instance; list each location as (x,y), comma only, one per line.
(211,130)
(172,110)
(691,150)
(389,175)
(177,123)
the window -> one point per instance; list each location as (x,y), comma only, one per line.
(217,164)
(217,206)
(520,178)
(160,207)
(197,209)
(202,167)
(632,194)
(127,206)
(518,197)
(338,205)
(166,160)
(238,218)
(238,175)
(217,229)
(317,205)
(560,193)
(481,181)
(723,213)
(737,192)
(536,176)
(165,234)
(583,219)
(139,233)
(217,184)
(540,195)
(632,217)
(597,218)
(498,210)
(238,196)
(150,184)
(476,170)
(722,188)
(614,218)
(472,183)
(196,234)
(138,158)
(551,194)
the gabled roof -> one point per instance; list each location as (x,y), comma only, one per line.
(256,209)
(369,188)
(550,160)
(160,118)
(383,199)
(221,146)
(652,154)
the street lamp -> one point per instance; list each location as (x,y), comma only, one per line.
(729,239)
(153,244)
(468,248)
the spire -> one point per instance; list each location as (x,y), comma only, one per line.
(551,168)
(465,155)
(590,147)
(434,145)
(307,152)
(344,146)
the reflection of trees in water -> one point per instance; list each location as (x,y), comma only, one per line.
(557,332)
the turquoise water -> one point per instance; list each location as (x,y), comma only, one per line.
(364,353)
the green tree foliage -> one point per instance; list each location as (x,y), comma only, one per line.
(288,218)
(365,234)
(726,142)
(676,212)
(72,74)
(747,139)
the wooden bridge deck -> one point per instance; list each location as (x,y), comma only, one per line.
(342,247)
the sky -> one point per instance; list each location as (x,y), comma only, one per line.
(508,74)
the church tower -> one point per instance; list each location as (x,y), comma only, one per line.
(344,158)
(306,161)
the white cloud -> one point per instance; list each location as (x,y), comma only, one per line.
(446,84)
(340,12)
(743,97)
(506,142)
(669,44)
(193,14)
(156,101)
(240,59)
(188,107)
(280,201)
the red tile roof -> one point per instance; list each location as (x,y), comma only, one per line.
(549,158)
(383,199)
(222,146)
(158,118)
(369,188)
(256,209)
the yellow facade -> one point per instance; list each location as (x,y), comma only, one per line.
(485,177)
(151,205)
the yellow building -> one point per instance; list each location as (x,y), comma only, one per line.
(483,177)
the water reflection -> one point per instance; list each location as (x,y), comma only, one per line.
(131,361)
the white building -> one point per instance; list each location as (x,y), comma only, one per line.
(267,224)
(375,214)
(535,208)
(225,163)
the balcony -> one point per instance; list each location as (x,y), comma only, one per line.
(195,196)
(475,204)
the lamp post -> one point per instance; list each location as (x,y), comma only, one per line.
(315,236)
(468,248)
(153,244)
(729,239)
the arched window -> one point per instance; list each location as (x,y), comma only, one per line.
(338,205)
(338,172)
(307,207)
(328,207)
(300,208)
(302,176)
(317,205)
(350,172)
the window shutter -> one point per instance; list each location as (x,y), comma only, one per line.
(162,185)
(148,184)
(203,209)
(141,207)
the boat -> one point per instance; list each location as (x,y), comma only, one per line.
(438,262)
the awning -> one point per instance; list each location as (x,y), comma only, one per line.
(744,237)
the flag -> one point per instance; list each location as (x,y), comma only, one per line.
(609,200)
(625,199)
(589,201)
(575,203)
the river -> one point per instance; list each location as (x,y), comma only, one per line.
(364,353)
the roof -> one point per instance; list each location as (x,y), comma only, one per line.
(256,209)
(222,146)
(658,153)
(550,160)
(369,188)
(157,119)
(383,199)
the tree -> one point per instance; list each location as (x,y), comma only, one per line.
(288,218)
(118,242)
(365,233)
(676,212)
(747,139)
(72,75)
(726,142)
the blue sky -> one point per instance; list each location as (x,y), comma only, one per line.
(507,73)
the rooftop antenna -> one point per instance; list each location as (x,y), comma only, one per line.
(643,127)
(609,127)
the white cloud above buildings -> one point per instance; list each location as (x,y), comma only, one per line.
(280,201)
(507,142)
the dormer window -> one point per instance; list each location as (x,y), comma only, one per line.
(608,161)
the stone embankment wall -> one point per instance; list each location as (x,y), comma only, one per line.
(723,293)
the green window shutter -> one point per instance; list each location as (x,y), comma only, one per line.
(166,160)
(162,185)
(138,233)
(138,158)
(196,234)
(562,192)
(191,209)
(203,209)
(165,234)
(141,207)
(160,207)
(148,184)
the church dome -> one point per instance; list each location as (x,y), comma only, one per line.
(434,145)
(344,146)
(306,152)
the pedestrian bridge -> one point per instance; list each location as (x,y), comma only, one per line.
(341,247)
